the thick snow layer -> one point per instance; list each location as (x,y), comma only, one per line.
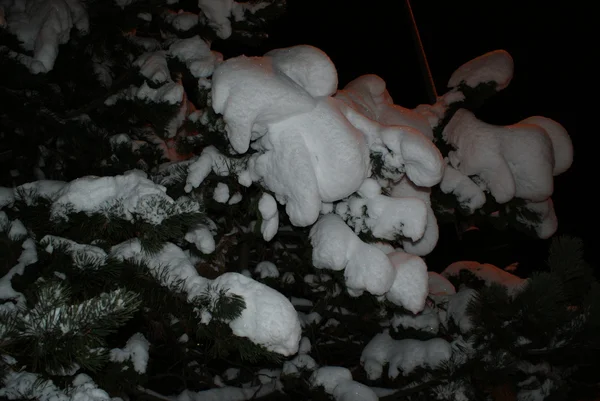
(496,66)
(338,382)
(202,237)
(221,193)
(383,216)
(561,142)
(218,12)
(369,96)
(196,55)
(424,245)
(153,66)
(469,195)
(312,148)
(501,156)
(488,273)
(42,26)
(548,222)
(133,193)
(336,247)
(44,188)
(313,157)
(136,351)
(410,287)
(400,276)
(269,319)
(267,206)
(403,356)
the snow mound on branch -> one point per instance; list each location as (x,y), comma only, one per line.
(403,356)
(312,148)
(400,276)
(196,54)
(338,382)
(488,273)
(42,26)
(496,66)
(136,351)
(501,156)
(369,96)
(269,318)
(427,242)
(132,193)
(467,192)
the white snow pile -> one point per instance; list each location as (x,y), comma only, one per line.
(269,319)
(403,356)
(129,196)
(496,66)
(313,152)
(136,351)
(312,147)
(498,159)
(338,382)
(402,277)
(42,26)
(22,384)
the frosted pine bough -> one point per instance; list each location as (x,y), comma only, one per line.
(348,163)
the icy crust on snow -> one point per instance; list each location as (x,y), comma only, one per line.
(269,319)
(496,66)
(313,148)
(338,382)
(26,385)
(488,273)
(403,356)
(401,277)
(42,26)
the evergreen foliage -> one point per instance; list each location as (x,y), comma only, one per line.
(81,311)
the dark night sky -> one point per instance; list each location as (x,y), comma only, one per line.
(373,36)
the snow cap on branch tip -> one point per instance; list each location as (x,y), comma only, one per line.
(496,66)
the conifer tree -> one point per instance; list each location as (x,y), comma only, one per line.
(174,223)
